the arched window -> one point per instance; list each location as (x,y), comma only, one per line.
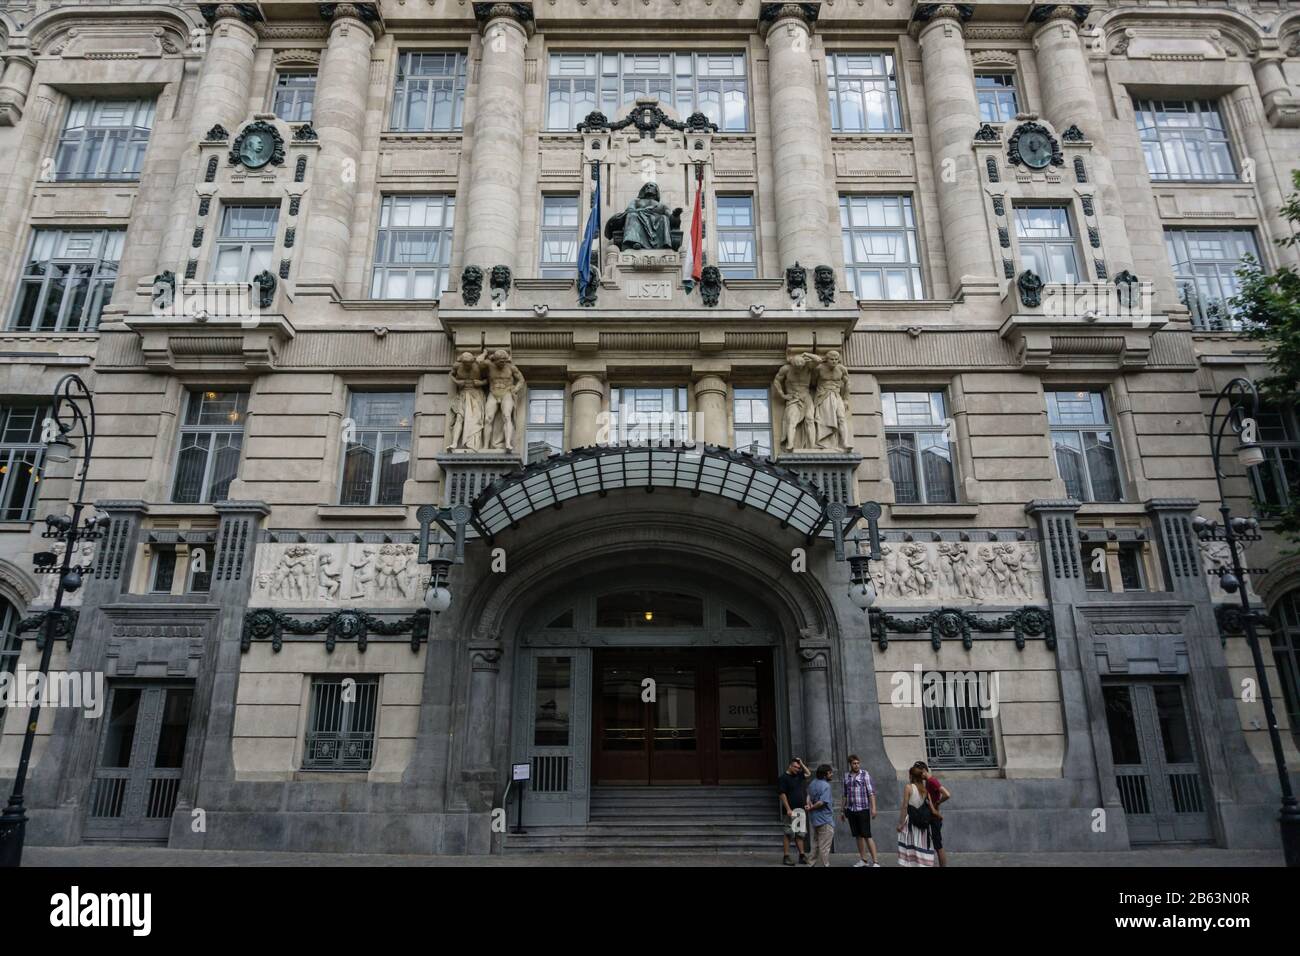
(10,645)
(1286,652)
(649,609)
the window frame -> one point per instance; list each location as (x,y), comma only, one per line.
(378,451)
(459,83)
(135,139)
(938,401)
(1014,88)
(1089,494)
(1210,313)
(891,78)
(1044,244)
(297,93)
(987,732)
(188,576)
(1164,135)
(749,232)
(547,394)
(11,462)
(346,709)
(545,233)
(245,244)
(763,395)
(100,281)
(681,403)
(911,239)
(1275,453)
(386,235)
(214,431)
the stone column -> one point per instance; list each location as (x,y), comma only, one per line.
(588,394)
(339,118)
(1069,98)
(220,98)
(1257,165)
(1281,105)
(21,167)
(15,83)
(814,678)
(954,116)
(485,663)
(711,407)
(798,141)
(492,212)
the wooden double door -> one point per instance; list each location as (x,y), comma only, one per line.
(675,716)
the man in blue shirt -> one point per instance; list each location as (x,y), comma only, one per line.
(821,815)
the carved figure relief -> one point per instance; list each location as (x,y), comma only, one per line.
(815,390)
(995,572)
(337,575)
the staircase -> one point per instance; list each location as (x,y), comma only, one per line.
(665,820)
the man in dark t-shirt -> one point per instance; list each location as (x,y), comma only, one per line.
(793,794)
(938,794)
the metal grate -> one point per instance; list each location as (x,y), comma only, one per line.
(550,773)
(162,797)
(1133,793)
(108,797)
(341,731)
(957,734)
(1185,790)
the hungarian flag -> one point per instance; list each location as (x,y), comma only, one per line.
(693,242)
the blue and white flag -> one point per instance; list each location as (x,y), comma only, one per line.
(589,238)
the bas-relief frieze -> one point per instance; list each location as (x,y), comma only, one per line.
(359,574)
(958,572)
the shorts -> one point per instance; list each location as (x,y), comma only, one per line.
(790,830)
(859,823)
(936,834)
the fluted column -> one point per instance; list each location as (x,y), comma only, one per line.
(492,212)
(814,677)
(711,407)
(220,98)
(1070,99)
(588,395)
(339,118)
(798,157)
(953,113)
(1258,166)
(20,170)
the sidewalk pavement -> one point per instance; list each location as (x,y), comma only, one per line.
(127,856)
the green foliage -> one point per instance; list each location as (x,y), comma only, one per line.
(1269,304)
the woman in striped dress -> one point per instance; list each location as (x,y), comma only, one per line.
(914,847)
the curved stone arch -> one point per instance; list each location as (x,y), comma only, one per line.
(48,31)
(1282,578)
(17,586)
(1244,33)
(797,602)
(1287,30)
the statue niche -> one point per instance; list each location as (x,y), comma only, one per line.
(647,223)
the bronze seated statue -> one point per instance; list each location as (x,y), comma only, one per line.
(647,223)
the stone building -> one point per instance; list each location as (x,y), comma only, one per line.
(285,241)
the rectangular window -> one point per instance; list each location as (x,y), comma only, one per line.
(295,95)
(958,735)
(430,92)
(863,90)
(67,279)
(1184,140)
(1096,567)
(21,456)
(559,240)
(169,561)
(1279,436)
(554,702)
(715,84)
(648,416)
(245,242)
(1084,445)
(737,241)
(881,254)
(1046,241)
(104,139)
(752,410)
(996,93)
(413,249)
(545,421)
(341,725)
(1205,262)
(212,436)
(378,458)
(920,457)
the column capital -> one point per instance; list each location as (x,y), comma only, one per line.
(587,382)
(1045,13)
(769,14)
(247,12)
(367,13)
(928,12)
(521,13)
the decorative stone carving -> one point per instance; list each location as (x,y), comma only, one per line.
(710,285)
(471,284)
(815,390)
(996,572)
(500,285)
(1030,288)
(1073,135)
(164,290)
(505,382)
(217,134)
(647,117)
(300,170)
(1033,146)
(265,624)
(266,283)
(950,623)
(258,144)
(1080,170)
(337,575)
(483,410)
(306,133)
(1129,288)
(987,134)
(824,283)
(647,223)
(466,432)
(796,283)
(83,557)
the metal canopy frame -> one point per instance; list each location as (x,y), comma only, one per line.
(746,480)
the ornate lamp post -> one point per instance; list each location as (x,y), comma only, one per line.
(1241,396)
(73,408)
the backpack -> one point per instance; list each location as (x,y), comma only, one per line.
(920,817)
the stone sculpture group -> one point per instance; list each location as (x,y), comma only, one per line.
(302,574)
(483,408)
(957,571)
(815,390)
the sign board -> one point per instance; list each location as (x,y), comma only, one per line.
(521,771)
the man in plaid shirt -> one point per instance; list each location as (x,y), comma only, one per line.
(859,809)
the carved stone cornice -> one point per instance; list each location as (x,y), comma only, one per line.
(365,12)
(950,623)
(268,624)
(248,12)
(292,57)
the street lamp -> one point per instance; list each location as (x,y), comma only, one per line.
(1240,393)
(73,407)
